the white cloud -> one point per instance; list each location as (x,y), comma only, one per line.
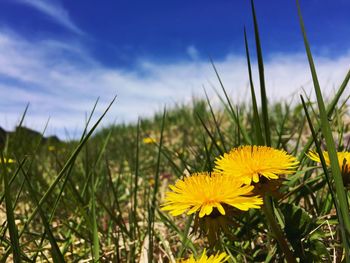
(193,52)
(62,80)
(55,11)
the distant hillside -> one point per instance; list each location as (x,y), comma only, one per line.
(27,133)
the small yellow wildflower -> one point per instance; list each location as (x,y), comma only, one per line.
(343,159)
(218,258)
(148,140)
(203,192)
(151,182)
(51,148)
(7,160)
(249,162)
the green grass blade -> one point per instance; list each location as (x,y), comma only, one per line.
(94,217)
(10,214)
(66,166)
(298,140)
(152,208)
(98,159)
(217,125)
(117,219)
(135,188)
(120,221)
(319,151)
(270,216)
(169,155)
(212,137)
(183,235)
(344,102)
(13,178)
(185,240)
(328,179)
(89,119)
(257,126)
(234,114)
(20,167)
(56,253)
(96,241)
(327,133)
(17,134)
(208,163)
(54,207)
(264,103)
(280,132)
(337,96)
(330,110)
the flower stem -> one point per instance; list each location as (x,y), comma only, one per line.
(277,231)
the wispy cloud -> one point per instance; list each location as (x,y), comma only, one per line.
(62,80)
(55,11)
(192,51)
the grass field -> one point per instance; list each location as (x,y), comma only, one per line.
(104,197)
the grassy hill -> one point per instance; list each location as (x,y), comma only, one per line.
(105,194)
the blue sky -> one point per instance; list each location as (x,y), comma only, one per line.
(60,55)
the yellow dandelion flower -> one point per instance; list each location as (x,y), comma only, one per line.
(203,192)
(343,159)
(249,162)
(218,258)
(148,140)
